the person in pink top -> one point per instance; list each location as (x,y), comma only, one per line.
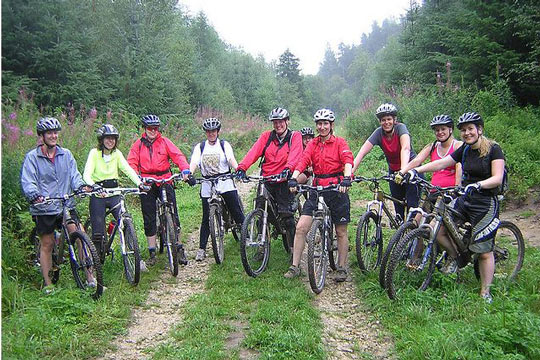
(445,144)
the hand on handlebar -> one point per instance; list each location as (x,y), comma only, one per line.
(191,180)
(285,174)
(144,187)
(37,199)
(472,187)
(345,184)
(411,176)
(240,175)
(399,177)
(293,185)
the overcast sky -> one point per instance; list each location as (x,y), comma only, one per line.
(269,27)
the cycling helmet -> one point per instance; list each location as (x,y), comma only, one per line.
(470,118)
(278,114)
(442,120)
(324,114)
(307,131)
(211,124)
(107,130)
(150,120)
(46,124)
(386,109)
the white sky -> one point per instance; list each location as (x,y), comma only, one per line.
(269,27)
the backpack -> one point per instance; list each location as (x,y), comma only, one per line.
(272,137)
(501,189)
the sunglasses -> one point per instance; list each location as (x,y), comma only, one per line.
(152,128)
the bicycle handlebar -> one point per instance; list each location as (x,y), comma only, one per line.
(151,180)
(318,188)
(215,178)
(264,178)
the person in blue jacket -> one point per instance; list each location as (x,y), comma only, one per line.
(50,170)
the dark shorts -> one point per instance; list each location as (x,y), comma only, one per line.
(482,211)
(283,197)
(46,224)
(338,203)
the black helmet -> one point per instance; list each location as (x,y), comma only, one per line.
(150,120)
(442,120)
(278,114)
(470,118)
(211,124)
(107,130)
(47,124)
(307,131)
(385,109)
(324,114)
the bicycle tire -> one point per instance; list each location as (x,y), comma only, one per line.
(170,240)
(509,252)
(160,233)
(368,242)
(130,255)
(217,233)
(102,251)
(85,258)
(332,248)
(402,231)
(57,255)
(402,272)
(254,254)
(317,257)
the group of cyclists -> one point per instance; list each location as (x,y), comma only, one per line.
(293,158)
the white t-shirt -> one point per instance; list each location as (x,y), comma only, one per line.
(213,162)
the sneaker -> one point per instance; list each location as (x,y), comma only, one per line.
(450,267)
(91,283)
(49,290)
(201,255)
(152,260)
(144,268)
(294,271)
(487,298)
(341,274)
(182,260)
(259,256)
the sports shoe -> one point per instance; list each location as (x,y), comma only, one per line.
(201,255)
(144,268)
(341,274)
(294,271)
(182,260)
(450,266)
(49,290)
(152,260)
(487,298)
(91,283)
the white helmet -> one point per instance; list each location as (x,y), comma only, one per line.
(324,114)
(278,114)
(386,109)
(47,123)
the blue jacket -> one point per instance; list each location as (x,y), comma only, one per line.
(40,176)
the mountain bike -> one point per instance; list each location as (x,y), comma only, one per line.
(127,236)
(369,236)
(220,219)
(168,228)
(320,238)
(257,230)
(415,257)
(83,256)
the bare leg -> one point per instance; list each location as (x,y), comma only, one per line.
(151,241)
(343,244)
(444,240)
(486,265)
(302,228)
(45,256)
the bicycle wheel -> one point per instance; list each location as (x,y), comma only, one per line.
(169,240)
(101,250)
(368,242)
(217,233)
(411,264)
(400,233)
(509,252)
(129,246)
(332,248)
(317,256)
(85,264)
(255,243)
(57,254)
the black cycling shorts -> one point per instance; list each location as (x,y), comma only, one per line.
(46,224)
(338,203)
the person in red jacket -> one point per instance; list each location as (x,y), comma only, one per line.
(280,150)
(149,157)
(332,162)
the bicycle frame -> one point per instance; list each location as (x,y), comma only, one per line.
(378,204)
(216,200)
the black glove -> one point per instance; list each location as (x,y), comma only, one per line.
(240,175)
(292,183)
(98,189)
(472,187)
(346,181)
(144,188)
(36,199)
(411,175)
(285,174)
(83,188)
(191,180)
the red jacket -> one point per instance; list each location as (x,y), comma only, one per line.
(276,157)
(152,159)
(327,157)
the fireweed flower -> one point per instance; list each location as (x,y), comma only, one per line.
(93,113)
(13,116)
